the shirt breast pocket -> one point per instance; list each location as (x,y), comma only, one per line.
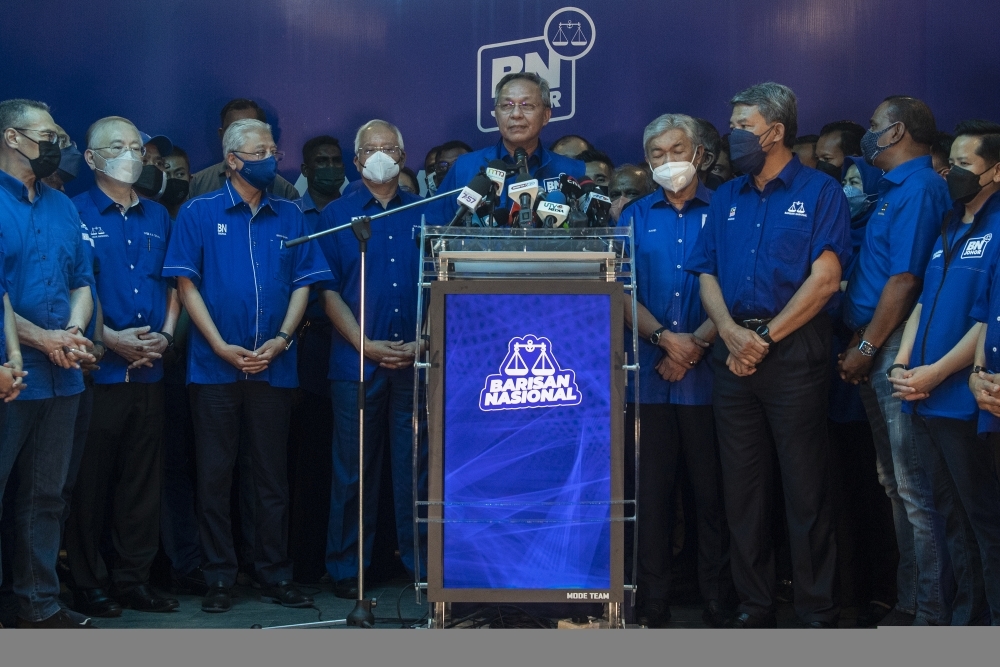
(791,241)
(153,255)
(281,261)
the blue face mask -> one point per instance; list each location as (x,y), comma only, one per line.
(70,163)
(745,152)
(857,200)
(260,174)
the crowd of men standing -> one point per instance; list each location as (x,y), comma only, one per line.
(815,355)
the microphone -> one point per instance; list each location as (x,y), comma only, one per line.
(515,210)
(498,171)
(471,196)
(524,191)
(521,159)
(597,206)
(569,187)
(501,217)
(553,215)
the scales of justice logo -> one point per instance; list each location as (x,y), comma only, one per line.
(529,377)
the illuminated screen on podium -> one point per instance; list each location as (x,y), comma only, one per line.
(527,441)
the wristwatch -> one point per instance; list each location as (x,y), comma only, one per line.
(764,332)
(867,349)
(654,337)
(285,337)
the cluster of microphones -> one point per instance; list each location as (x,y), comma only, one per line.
(575,204)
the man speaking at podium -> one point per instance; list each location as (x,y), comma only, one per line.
(522,107)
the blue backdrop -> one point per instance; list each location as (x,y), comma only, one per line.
(326,66)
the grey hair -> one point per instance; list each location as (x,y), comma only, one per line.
(96,131)
(672,121)
(237,133)
(13,112)
(379,123)
(776,103)
(543,86)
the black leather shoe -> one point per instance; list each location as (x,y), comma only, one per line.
(95,602)
(286,594)
(870,616)
(217,600)
(897,618)
(192,583)
(714,616)
(60,619)
(745,621)
(655,614)
(821,624)
(144,598)
(346,588)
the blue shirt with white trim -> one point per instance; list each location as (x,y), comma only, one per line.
(245,275)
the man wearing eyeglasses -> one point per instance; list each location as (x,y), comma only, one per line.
(245,293)
(393,262)
(522,108)
(49,278)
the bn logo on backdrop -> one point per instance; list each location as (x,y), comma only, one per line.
(568,35)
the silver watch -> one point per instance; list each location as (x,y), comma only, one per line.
(867,349)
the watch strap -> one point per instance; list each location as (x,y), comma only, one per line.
(654,337)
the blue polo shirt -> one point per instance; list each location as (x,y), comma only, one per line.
(44,260)
(948,301)
(664,239)
(543,164)
(3,312)
(899,236)
(245,276)
(392,268)
(314,343)
(129,247)
(761,245)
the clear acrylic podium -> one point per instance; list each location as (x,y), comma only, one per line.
(526,377)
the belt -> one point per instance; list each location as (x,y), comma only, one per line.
(754,323)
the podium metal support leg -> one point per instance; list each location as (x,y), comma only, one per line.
(442,614)
(613,610)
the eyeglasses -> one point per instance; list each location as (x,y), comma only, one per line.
(507,108)
(391,151)
(46,135)
(263,155)
(443,166)
(407,188)
(116,151)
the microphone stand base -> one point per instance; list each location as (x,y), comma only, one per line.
(361,616)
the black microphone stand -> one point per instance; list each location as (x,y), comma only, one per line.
(361,616)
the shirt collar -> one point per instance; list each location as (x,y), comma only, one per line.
(701,194)
(786,175)
(16,188)
(370,200)
(537,159)
(103,202)
(902,172)
(307,203)
(235,200)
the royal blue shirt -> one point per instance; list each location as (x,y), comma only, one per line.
(314,343)
(129,247)
(761,245)
(3,312)
(245,276)
(44,260)
(392,266)
(948,301)
(543,164)
(899,236)
(664,238)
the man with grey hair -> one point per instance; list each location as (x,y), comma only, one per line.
(390,350)
(769,258)
(675,377)
(49,276)
(522,106)
(245,293)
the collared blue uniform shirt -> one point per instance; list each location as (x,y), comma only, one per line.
(761,245)
(899,236)
(392,269)
(664,238)
(543,164)
(314,353)
(245,276)
(948,303)
(987,310)
(129,249)
(44,260)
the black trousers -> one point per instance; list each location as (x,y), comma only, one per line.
(670,434)
(119,478)
(310,467)
(218,411)
(789,393)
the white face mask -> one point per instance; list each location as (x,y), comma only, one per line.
(125,168)
(674,176)
(380,168)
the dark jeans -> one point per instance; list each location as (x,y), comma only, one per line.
(80,430)
(668,433)
(119,479)
(218,411)
(388,408)
(309,464)
(961,471)
(178,522)
(788,392)
(36,437)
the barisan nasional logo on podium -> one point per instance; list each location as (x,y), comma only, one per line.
(529,377)
(567,36)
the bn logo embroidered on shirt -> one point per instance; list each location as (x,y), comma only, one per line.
(797,209)
(732,213)
(221,229)
(975,248)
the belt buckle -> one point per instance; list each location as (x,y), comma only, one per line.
(754,323)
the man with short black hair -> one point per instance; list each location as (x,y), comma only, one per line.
(600,168)
(629,182)
(941,153)
(446,155)
(805,149)
(837,140)
(571,145)
(711,140)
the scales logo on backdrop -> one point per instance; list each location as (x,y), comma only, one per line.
(529,377)
(568,35)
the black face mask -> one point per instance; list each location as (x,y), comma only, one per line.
(151,182)
(963,185)
(713,181)
(48,158)
(830,169)
(327,180)
(175,192)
